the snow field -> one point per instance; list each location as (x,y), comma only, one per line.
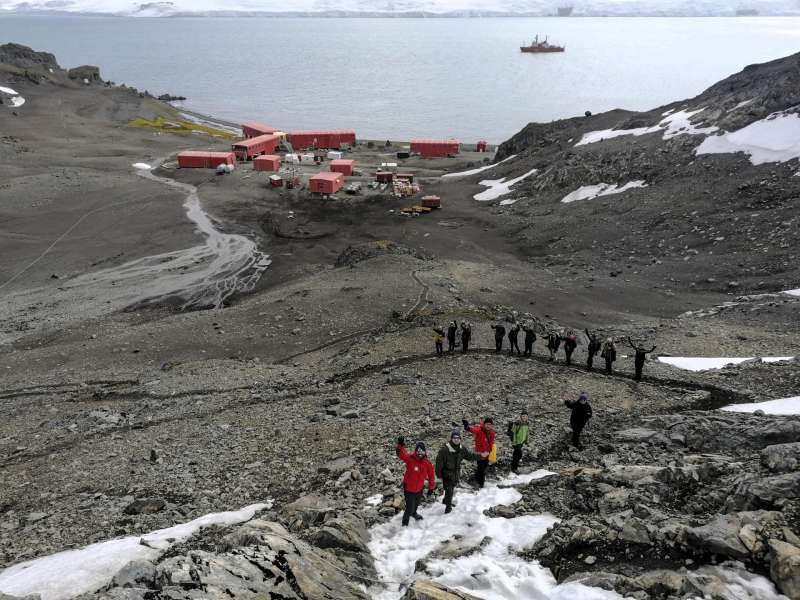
(476,171)
(774,139)
(673,124)
(16,100)
(499,187)
(588,192)
(68,574)
(781,406)
(793,292)
(702,363)
(141,165)
(493,571)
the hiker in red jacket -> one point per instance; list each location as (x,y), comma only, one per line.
(418,469)
(484,440)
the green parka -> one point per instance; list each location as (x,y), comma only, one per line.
(448,462)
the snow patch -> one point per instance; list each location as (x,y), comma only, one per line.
(68,574)
(741,104)
(774,139)
(508,202)
(374,500)
(8,90)
(16,101)
(793,292)
(781,406)
(673,124)
(476,171)
(140,165)
(499,187)
(702,363)
(587,192)
(494,571)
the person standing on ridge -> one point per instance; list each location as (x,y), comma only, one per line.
(418,469)
(466,335)
(483,435)
(530,338)
(609,354)
(639,358)
(448,466)
(518,431)
(553,342)
(581,413)
(570,343)
(592,349)
(513,335)
(438,339)
(499,335)
(451,336)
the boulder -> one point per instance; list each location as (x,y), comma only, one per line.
(640,435)
(337,466)
(428,590)
(310,510)
(85,73)
(136,574)
(720,536)
(145,506)
(764,492)
(346,533)
(784,567)
(781,458)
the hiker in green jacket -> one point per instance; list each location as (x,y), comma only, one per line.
(518,431)
(448,466)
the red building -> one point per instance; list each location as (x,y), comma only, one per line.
(481,146)
(262,144)
(343,166)
(325,183)
(330,140)
(198,159)
(435,148)
(267,162)
(251,130)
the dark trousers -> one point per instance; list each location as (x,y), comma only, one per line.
(528,348)
(516,457)
(451,344)
(590,361)
(576,435)
(609,362)
(498,344)
(638,366)
(480,472)
(449,486)
(464,345)
(413,500)
(439,348)
(514,346)
(568,354)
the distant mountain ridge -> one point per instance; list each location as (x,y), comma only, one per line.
(404,8)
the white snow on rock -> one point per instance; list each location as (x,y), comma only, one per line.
(16,100)
(476,171)
(673,124)
(774,139)
(68,574)
(140,165)
(499,187)
(508,202)
(741,105)
(587,192)
(793,292)
(8,90)
(702,363)
(739,583)
(781,406)
(494,571)
(374,500)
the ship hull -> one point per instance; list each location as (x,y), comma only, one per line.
(540,50)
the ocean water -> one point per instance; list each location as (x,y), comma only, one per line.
(403,78)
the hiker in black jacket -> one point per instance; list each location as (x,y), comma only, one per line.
(570,343)
(530,338)
(451,336)
(553,343)
(639,358)
(448,466)
(609,354)
(466,335)
(581,413)
(499,334)
(592,349)
(513,334)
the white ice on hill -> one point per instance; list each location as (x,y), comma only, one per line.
(793,292)
(8,90)
(781,406)
(774,139)
(493,571)
(141,165)
(68,574)
(673,124)
(702,363)
(16,100)
(587,192)
(499,187)
(476,171)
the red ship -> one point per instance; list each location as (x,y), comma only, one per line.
(545,46)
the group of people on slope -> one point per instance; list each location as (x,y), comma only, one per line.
(447,467)
(553,340)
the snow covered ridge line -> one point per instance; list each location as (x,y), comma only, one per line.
(588,192)
(476,171)
(499,187)
(703,363)
(781,406)
(773,139)
(68,574)
(673,124)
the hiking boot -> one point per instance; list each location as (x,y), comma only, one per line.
(449,509)
(417,517)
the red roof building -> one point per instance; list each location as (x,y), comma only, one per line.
(251,130)
(262,144)
(199,159)
(343,166)
(267,162)
(325,183)
(435,148)
(304,140)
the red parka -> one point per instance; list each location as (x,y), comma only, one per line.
(417,471)
(484,439)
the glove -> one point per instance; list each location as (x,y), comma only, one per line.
(401,441)
(466,424)
(430,493)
